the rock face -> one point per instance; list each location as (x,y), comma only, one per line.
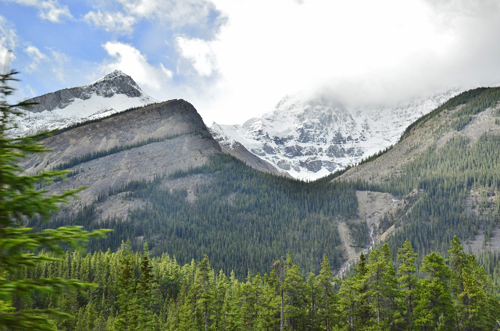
(133,145)
(113,93)
(312,136)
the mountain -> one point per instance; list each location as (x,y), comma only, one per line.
(156,174)
(312,136)
(113,93)
(441,179)
(136,144)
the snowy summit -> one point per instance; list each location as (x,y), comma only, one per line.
(111,94)
(312,136)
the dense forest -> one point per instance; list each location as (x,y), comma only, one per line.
(134,291)
(241,218)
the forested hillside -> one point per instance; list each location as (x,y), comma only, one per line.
(447,169)
(241,218)
(444,171)
(136,292)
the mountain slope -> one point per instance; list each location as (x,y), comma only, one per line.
(133,145)
(442,177)
(313,136)
(113,93)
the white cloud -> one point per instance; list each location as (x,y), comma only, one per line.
(8,40)
(36,57)
(199,53)
(173,13)
(58,65)
(111,22)
(53,61)
(362,51)
(130,60)
(48,9)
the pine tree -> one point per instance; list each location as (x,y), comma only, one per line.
(434,309)
(408,282)
(326,297)
(270,308)
(281,265)
(203,292)
(475,307)
(145,293)
(383,293)
(313,291)
(20,200)
(231,315)
(127,317)
(295,297)
(353,299)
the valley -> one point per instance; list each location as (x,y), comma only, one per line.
(166,184)
(157,174)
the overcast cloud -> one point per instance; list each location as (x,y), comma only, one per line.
(234,59)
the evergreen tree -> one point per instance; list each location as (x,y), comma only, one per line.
(475,307)
(383,293)
(326,297)
(21,200)
(145,293)
(434,309)
(408,282)
(353,299)
(295,298)
(128,310)
(203,292)
(270,311)
(231,314)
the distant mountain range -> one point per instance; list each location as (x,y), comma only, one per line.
(312,136)
(156,173)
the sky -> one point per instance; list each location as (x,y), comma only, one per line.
(235,59)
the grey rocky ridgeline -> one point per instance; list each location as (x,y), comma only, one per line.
(113,83)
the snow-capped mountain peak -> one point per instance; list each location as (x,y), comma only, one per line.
(311,136)
(115,92)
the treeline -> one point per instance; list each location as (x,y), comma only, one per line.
(136,292)
(240,217)
(117,149)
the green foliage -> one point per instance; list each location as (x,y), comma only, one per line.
(241,218)
(371,299)
(20,200)
(438,186)
(408,282)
